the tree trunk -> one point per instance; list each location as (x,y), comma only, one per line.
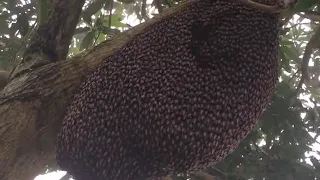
(32,106)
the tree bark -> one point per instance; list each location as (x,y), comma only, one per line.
(32,106)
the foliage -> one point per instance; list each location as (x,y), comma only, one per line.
(281,146)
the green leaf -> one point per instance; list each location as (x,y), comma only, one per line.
(304,5)
(101,38)
(87,19)
(119,9)
(14,43)
(285,62)
(23,24)
(286,42)
(92,9)
(98,23)
(13,29)
(116,21)
(4,60)
(87,41)
(109,31)
(82,30)
(4,29)
(12,4)
(291,53)
(42,8)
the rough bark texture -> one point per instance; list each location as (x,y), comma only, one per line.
(52,39)
(32,106)
(4,75)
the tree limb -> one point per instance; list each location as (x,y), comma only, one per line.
(144,10)
(52,39)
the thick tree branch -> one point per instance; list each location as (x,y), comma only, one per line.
(52,39)
(64,16)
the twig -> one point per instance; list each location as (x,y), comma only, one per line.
(313,42)
(294,75)
(110,14)
(96,38)
(258,150)
(158,5)
(306,58)
(144,11)
(311,16)
(268,8)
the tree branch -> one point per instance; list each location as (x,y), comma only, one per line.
(313,42)
(282,4)
(144,10)
(52,39)
(63,19)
